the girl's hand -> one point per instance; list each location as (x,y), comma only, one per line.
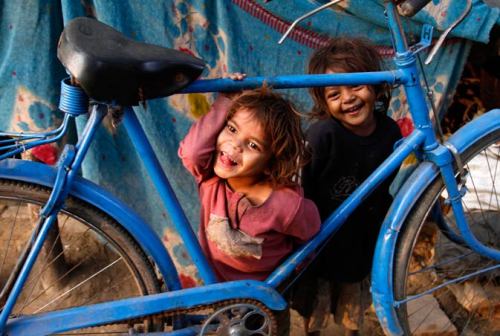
(237,76)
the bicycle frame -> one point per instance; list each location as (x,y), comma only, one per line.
(65,181)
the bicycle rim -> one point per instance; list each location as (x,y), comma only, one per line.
(87,257)
(430,265)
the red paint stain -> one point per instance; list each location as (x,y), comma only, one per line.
(45,153)
(187,51)
(187,281)
(405,125)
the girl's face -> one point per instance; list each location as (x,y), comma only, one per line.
(353,106)
(242,150)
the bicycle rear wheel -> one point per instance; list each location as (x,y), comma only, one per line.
(87,257)
(433,272)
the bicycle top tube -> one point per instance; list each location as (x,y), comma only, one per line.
(298,81)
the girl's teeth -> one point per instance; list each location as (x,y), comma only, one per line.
(228,157)
(352,109)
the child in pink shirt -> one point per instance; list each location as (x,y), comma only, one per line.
(245,154)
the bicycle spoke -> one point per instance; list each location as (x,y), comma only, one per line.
(53,284)
(11,231)
(70,271)
(441,264)
(493,175)
(29,299)
(116,286)
(423,319)
(45,264)
(77,286)
(477,197)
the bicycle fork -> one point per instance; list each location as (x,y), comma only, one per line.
(443,158)
(68,167)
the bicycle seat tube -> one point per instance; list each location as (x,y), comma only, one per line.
(68,168)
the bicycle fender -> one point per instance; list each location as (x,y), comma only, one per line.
(39,173)
(485,124)
(415,185)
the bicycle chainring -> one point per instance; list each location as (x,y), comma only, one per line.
(240,318)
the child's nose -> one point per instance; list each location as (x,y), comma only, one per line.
(348,96)
(237,145)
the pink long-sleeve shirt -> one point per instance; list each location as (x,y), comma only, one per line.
(242,241)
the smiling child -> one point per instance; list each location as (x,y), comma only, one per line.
(245,155)
(350,138)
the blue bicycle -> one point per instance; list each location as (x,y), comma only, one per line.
(62,235)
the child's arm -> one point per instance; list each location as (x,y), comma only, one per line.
(319,140)
(306,222)
(197,148)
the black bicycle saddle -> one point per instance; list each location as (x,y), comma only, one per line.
(111,67)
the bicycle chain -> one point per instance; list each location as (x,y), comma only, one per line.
(212,307)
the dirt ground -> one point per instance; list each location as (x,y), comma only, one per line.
(371,326)
(297,326)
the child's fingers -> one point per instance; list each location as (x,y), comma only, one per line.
(237,76)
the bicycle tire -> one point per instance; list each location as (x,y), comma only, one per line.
(425,257)
(87,258)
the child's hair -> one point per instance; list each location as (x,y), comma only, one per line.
(282,123)
(345,54)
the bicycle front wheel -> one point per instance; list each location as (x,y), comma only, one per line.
(445,288)
(87,257)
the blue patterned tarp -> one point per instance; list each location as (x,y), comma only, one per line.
(238,35)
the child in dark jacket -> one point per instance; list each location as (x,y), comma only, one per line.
(351,137)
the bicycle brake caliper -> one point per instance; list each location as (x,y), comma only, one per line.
(462,173)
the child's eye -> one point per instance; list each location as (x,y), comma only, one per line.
(253,145)
(230,128)
(357,87)
(333,95)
